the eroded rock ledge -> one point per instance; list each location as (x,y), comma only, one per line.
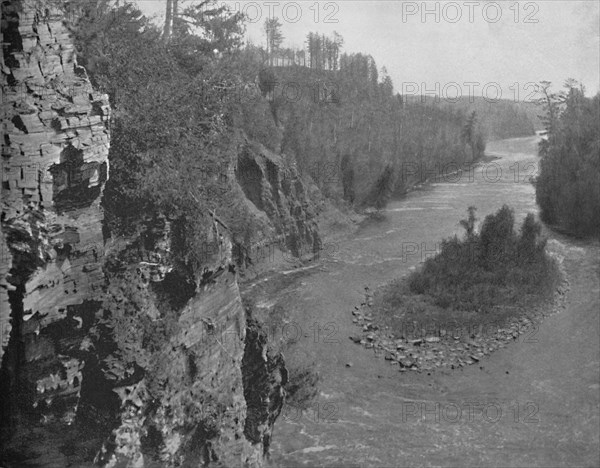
(54,165)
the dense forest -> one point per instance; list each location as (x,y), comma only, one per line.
(502,118)
(568,185)
(350,122)
(185,94)
(341,117)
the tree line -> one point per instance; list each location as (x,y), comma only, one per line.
(378,142)
(568,185)
(175,88)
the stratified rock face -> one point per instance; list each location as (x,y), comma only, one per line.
(54,165)
(277,192)
(182,377)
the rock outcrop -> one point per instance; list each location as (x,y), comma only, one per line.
(180,360)
(278,198)
(54,165)
(112,352)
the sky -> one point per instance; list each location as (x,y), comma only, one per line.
(463,48)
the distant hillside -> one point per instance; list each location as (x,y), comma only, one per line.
(348,130)
(502,119)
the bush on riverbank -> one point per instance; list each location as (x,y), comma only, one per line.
(485,277)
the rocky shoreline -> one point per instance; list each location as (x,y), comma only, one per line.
(429,349)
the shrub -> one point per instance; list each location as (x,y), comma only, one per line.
(497,238)
(482,271)
(469,223)
(528,246)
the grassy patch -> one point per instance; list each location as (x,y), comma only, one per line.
(485,278)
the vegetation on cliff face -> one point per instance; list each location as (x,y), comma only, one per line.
(568,184)
(347,128)
(182,101)
(170,139)
(180,105)
(181,133)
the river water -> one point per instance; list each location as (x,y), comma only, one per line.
(534,403)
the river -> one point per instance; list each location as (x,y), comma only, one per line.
(533,403)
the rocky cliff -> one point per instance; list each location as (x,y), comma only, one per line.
(54,164)
(280,205)
(112,353)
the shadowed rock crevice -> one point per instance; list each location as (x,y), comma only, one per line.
(76,184)
(265,376)
(249,176)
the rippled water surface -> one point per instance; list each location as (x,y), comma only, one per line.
(530,404)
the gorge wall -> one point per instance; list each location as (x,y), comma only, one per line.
(111,354)
(54,164)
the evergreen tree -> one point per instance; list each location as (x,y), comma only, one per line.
(468,134)
(168,21)
(272,28)
(383,188)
